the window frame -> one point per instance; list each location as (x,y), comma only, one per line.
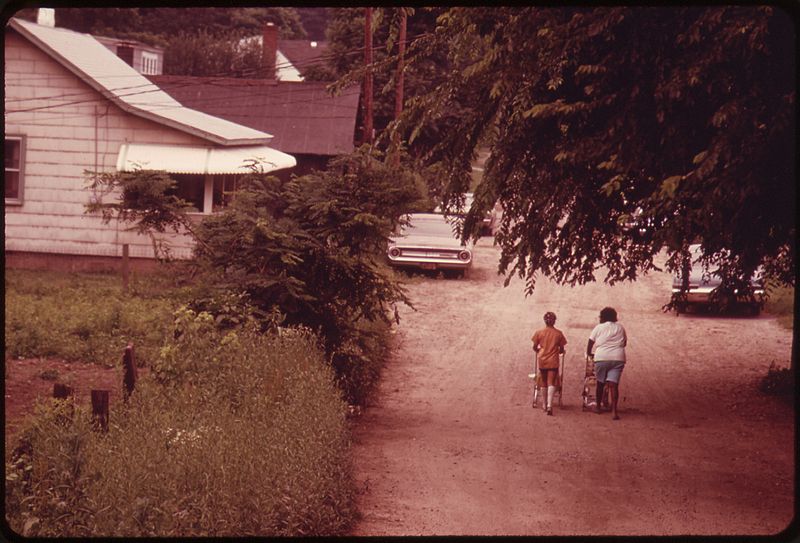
(19,198)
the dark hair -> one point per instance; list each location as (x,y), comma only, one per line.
(608,314)
(549,317)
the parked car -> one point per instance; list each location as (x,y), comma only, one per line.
(490,220)
(428,242)
(703,283)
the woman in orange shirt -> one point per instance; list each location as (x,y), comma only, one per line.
(548,343)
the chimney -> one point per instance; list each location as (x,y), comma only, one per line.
(269,51)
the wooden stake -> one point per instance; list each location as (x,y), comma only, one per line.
(64,393)
(125,267)
(129,377)
(61,391)
(100,409)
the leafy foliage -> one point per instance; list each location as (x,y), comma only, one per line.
(345,35)
(312,248)
(684,112)
(144,198)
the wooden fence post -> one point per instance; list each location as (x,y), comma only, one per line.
(61,391)
(100,409)
(64,393)
(125,267)
(129,376)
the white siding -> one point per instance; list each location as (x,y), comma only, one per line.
(77,130)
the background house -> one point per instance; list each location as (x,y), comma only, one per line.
(303,118)
(145,59)
(304,54)
(72,106)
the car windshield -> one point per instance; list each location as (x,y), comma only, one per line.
(429,225)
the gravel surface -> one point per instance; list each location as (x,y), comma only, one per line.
(452,446)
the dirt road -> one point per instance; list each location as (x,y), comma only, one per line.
(451,445)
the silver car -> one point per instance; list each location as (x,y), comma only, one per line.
(703,282)
(428,242)
(491,219)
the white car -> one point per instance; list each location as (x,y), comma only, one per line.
(703,282)
(490,220)
(428,242)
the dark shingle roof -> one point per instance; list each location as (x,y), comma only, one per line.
(302,116)
(302,55)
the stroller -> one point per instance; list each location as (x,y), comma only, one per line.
(535,375)
(590,388)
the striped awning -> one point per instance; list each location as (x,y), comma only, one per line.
(202,160)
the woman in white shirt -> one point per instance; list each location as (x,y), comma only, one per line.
(608,340)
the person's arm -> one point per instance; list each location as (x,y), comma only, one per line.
(562,344)
(535,340)
(589,347)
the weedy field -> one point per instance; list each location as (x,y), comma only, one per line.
(231,432)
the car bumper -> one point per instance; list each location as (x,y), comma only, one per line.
(702,295)
(430,263)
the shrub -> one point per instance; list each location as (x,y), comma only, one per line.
(779,381)
(234,433)
(781,304)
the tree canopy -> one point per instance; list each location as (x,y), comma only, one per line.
(686,113)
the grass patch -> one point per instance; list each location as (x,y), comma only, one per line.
(781,304)
(86,316)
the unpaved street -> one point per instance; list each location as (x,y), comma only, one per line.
(451,445)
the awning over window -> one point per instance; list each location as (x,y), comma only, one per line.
(201,160)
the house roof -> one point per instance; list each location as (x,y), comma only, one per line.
(302,117)
(116,80)
(303,53)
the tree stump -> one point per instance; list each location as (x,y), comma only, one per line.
(100,409)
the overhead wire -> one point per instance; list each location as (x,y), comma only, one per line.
(254,71)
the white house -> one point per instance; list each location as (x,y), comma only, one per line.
(72,106)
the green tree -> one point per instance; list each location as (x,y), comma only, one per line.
(313,247)
(589,113)
(197,41)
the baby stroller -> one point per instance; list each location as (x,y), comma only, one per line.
(535,375)
(590,388)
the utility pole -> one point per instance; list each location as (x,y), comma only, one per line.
(368,75)
(398,95)
(401,53)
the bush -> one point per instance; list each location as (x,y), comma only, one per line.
(781,304)
(235,433)
(778,381)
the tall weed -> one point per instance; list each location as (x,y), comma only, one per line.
(234,433)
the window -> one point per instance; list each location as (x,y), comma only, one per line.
(194,188)
(149,63)
(191,187)
(13,159)
(224,188)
